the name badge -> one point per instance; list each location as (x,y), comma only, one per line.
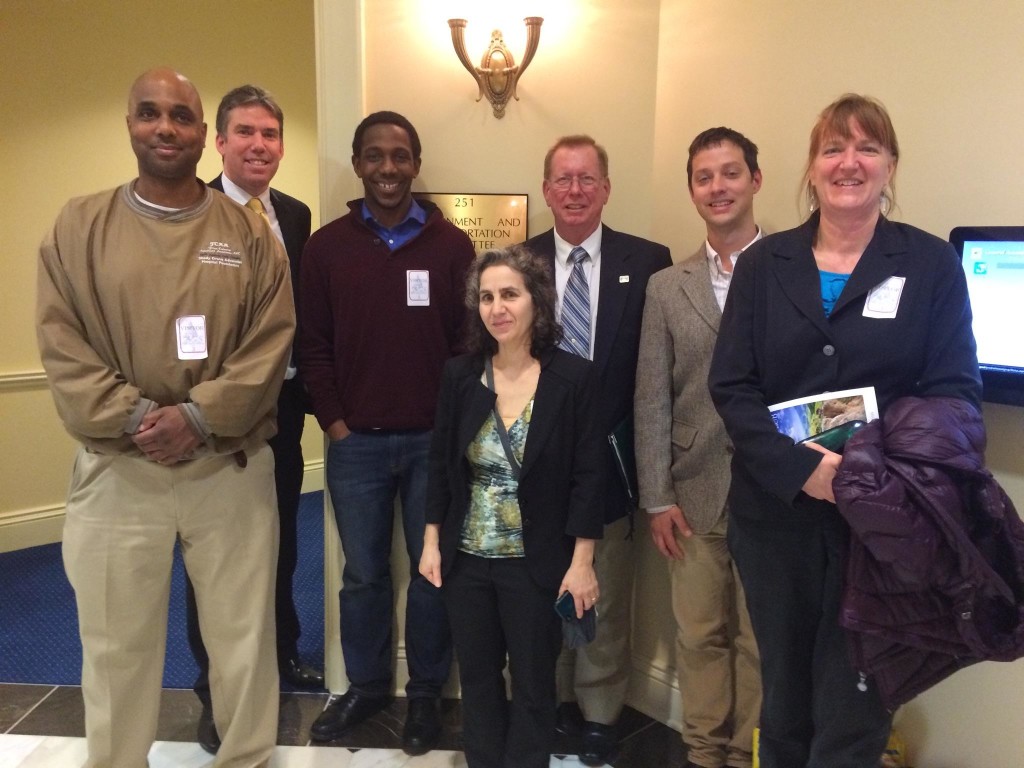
(417,288)
(884,298)
(191,334)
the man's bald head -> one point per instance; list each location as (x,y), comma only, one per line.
(167,76)
(165,123)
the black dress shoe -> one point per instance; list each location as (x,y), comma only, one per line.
(598,745)
(422,726)
(347,710)
(570,719)
(301,675)
(206,733)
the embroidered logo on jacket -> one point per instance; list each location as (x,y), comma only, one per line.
(224,254)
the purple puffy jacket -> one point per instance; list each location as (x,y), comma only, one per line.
(935,577)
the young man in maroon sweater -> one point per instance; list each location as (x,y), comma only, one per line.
(381,293)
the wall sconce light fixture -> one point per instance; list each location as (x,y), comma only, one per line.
(498,74)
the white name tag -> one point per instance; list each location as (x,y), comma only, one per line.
(191,334)
(884,298)
(417,288)
(623,278)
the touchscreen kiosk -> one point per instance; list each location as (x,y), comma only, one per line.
(993,260)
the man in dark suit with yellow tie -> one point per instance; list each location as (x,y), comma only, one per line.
(250,139)
(601,309)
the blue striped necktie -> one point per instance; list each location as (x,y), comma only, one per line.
(576,307)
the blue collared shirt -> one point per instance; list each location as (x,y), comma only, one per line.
(399,235)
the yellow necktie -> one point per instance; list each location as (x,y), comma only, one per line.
(255,204)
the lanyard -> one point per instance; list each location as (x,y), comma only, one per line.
(502,432)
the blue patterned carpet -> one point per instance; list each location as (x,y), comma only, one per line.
(39,624)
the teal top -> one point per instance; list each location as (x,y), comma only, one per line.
(494,524)
(832,284)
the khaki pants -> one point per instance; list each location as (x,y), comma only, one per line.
(598,673)
(123,517)
(716,654)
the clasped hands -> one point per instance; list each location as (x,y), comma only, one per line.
(165,436)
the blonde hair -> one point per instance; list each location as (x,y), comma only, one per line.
(836,121)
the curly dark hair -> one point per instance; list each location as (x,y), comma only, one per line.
(539,280)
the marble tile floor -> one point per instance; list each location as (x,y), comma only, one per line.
(42,726)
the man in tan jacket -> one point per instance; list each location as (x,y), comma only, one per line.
(164,321)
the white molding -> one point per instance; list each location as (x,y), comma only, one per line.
(21,380)
(340,88)
(313,476)
(654,690)
(25,528)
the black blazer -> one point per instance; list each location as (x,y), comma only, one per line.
(627,262)
(295,220)
(561,481)
(775,344)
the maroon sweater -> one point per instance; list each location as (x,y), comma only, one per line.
(367,356)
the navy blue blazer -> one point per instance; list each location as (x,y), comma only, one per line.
(776,344)
(627,263)
(561,480)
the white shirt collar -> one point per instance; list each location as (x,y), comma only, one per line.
(242,197)
(592,245)
(716,259)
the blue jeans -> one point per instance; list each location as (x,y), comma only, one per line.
(364,472)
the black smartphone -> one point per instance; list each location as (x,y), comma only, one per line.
(575,632)
(834,439)
(565,606)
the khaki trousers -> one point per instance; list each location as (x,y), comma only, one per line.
(716,654)
(597,675)
(123,517)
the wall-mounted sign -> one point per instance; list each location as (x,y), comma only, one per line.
(491,221)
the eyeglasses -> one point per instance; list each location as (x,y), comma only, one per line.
(565,182)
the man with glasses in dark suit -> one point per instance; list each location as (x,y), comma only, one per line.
(608,270)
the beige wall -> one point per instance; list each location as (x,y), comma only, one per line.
(949,72)
(411,68)
(64,77)
(644,78)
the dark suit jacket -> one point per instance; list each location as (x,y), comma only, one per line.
(682,451)
(775,344)
(627,262)
(295,220)
(560,483)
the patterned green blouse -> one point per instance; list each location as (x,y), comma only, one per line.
(494,525)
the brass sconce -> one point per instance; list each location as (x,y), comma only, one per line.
(497,75)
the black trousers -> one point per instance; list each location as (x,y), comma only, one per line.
(817,711)
(288,469)
(497,611)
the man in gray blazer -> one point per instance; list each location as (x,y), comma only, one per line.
(683,456)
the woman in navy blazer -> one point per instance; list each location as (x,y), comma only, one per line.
(849,299)
(512,519)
